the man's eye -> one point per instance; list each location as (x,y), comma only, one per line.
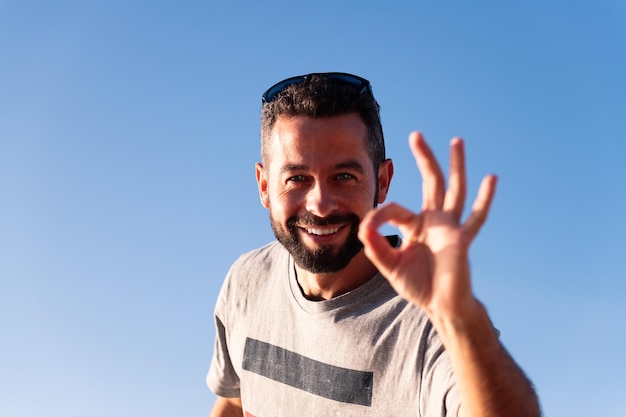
(296,178)
(345,176)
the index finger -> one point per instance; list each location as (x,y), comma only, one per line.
(433,181)
(377,247)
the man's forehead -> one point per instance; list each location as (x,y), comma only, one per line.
(319,135)
(307,140)
(353,119)
(322,128)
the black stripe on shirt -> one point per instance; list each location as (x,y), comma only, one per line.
(322,379)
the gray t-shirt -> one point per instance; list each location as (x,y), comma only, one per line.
(365,353)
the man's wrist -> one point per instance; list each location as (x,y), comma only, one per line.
(469,324)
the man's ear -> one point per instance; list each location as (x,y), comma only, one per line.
(261,181)
(385,173)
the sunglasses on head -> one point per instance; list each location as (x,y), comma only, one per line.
(355,80)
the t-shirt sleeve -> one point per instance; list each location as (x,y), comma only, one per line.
(439,396)
(222,378)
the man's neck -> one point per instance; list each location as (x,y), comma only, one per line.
(319,287)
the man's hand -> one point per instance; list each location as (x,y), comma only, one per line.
(430,268)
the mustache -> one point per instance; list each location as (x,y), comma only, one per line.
(313,220)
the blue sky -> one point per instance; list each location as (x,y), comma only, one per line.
(128,136)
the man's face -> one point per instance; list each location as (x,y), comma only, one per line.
(318,184)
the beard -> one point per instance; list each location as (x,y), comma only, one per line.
(324,258)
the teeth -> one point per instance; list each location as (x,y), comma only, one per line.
(323,232)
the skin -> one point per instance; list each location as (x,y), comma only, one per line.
(429,269)
(321,167)
(227,407)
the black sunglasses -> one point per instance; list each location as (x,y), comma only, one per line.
(355,80)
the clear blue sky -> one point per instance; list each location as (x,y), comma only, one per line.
(128,136)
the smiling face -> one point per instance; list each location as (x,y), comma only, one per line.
(318,183)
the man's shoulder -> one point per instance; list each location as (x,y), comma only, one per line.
(256,272)
(267,253)
(262,260)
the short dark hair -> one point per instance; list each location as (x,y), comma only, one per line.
(319,96)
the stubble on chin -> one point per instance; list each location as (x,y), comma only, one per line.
(324,258)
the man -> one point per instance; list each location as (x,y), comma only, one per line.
(335,319)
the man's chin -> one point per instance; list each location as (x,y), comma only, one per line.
(325,258)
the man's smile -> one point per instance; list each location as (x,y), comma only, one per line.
(322,232)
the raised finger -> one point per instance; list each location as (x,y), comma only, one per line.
(481,206)
(433,181)
(457,182)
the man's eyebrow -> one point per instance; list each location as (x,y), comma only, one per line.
(350,164)
(293,167)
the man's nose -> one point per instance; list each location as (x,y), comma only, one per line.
(321,201)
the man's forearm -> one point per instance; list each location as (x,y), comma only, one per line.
(490,383)
(227,407)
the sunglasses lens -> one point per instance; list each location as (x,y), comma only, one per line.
(349,79)
(274,90)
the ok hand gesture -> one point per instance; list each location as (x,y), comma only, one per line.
(431,268)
